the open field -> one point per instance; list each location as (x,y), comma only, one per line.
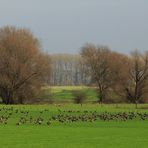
(24,129)
(65,93)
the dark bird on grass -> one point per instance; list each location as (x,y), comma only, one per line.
(18,123)
(48,122)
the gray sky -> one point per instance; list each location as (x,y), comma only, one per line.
(66,25)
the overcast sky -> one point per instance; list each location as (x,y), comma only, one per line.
(63,26)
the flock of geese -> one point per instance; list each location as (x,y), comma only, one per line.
(44,117)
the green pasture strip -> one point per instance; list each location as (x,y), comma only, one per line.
(98,134)
(105,135)
(66,92)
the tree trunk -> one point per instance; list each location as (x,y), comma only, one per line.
(20,100)
(136,104)
(7,97)
(101,96)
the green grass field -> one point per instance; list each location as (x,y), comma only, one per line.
(65,93)
(97,134)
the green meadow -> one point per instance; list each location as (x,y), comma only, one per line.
(65,93)
(96,134)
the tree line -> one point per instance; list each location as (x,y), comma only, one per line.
(107,70)
(68,70)
(25,68)
(126,75)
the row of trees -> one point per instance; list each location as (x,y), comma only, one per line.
(68,70)
(25,68)
(126,75)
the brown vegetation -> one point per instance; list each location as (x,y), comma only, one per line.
(98,59)
(23,67)
(112,71)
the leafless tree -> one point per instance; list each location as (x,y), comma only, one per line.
(68,69)
(137,86)
(131,76)
(23,66)
(97,58)
(119,66)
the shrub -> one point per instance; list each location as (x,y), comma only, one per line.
(79,96)
(45,96)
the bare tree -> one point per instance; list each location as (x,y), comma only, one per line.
(138,77)
(68,69)
(23,67)
(131,76)
(97,58)
(120,67)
